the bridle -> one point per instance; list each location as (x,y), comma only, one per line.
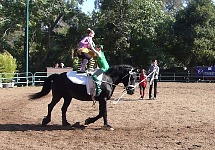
(129,79)
(116,100)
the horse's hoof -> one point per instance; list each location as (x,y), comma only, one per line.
(87,121)
(107,127)
(77,125)
(66,124)
(45,121)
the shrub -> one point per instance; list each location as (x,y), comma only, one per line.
(7,66)
(75,63)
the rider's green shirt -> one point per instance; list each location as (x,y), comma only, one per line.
(102,62)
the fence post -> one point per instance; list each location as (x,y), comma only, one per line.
(174,76)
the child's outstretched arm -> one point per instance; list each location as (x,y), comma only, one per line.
(85,40)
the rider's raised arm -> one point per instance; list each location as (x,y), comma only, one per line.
(85,40)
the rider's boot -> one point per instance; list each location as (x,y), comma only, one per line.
(98,89)
(97,82)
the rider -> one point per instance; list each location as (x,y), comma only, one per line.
(103,67)
(85,48)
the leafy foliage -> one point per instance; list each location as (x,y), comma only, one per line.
(195,34)
(7,65)
(145,18)
(132,31)
(129,29)
(55,28)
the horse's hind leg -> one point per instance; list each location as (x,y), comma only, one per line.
(67,101)
(51,105)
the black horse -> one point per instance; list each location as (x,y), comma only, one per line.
(62,87)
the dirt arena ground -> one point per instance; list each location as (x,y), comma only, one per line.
(182,118)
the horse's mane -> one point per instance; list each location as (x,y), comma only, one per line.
(118,68)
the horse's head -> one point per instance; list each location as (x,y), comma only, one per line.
(129,81)
(125,74)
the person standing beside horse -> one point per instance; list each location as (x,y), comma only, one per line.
(84,51)
(153,76)
(143,83)
(103,67)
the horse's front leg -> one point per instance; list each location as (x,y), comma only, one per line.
(102,113)
(64,108)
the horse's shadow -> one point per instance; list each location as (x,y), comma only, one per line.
(39,127)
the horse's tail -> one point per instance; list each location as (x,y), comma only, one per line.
(46,87)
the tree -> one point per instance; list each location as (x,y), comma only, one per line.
(12,28)
(52,24)
(129,29)
(113,28)
(145,18)
(174,5)
(59,27)
(132,31)
(194,31)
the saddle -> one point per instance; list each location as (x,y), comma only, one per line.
(84,79)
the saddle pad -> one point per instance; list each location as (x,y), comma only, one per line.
(77,78)
(82,78)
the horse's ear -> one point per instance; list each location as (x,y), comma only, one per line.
(132,71)
(135,70)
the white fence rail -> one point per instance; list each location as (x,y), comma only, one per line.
(30,79)
(18,79)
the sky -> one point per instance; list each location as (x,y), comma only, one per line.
(88,6)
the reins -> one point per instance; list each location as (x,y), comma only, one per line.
(103,81)
(116,100)
(122,78)
(123,93)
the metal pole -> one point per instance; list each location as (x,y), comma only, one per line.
(27,28)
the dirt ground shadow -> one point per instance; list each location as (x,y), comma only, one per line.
(181,118)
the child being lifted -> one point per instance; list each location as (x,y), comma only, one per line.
(102,64)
